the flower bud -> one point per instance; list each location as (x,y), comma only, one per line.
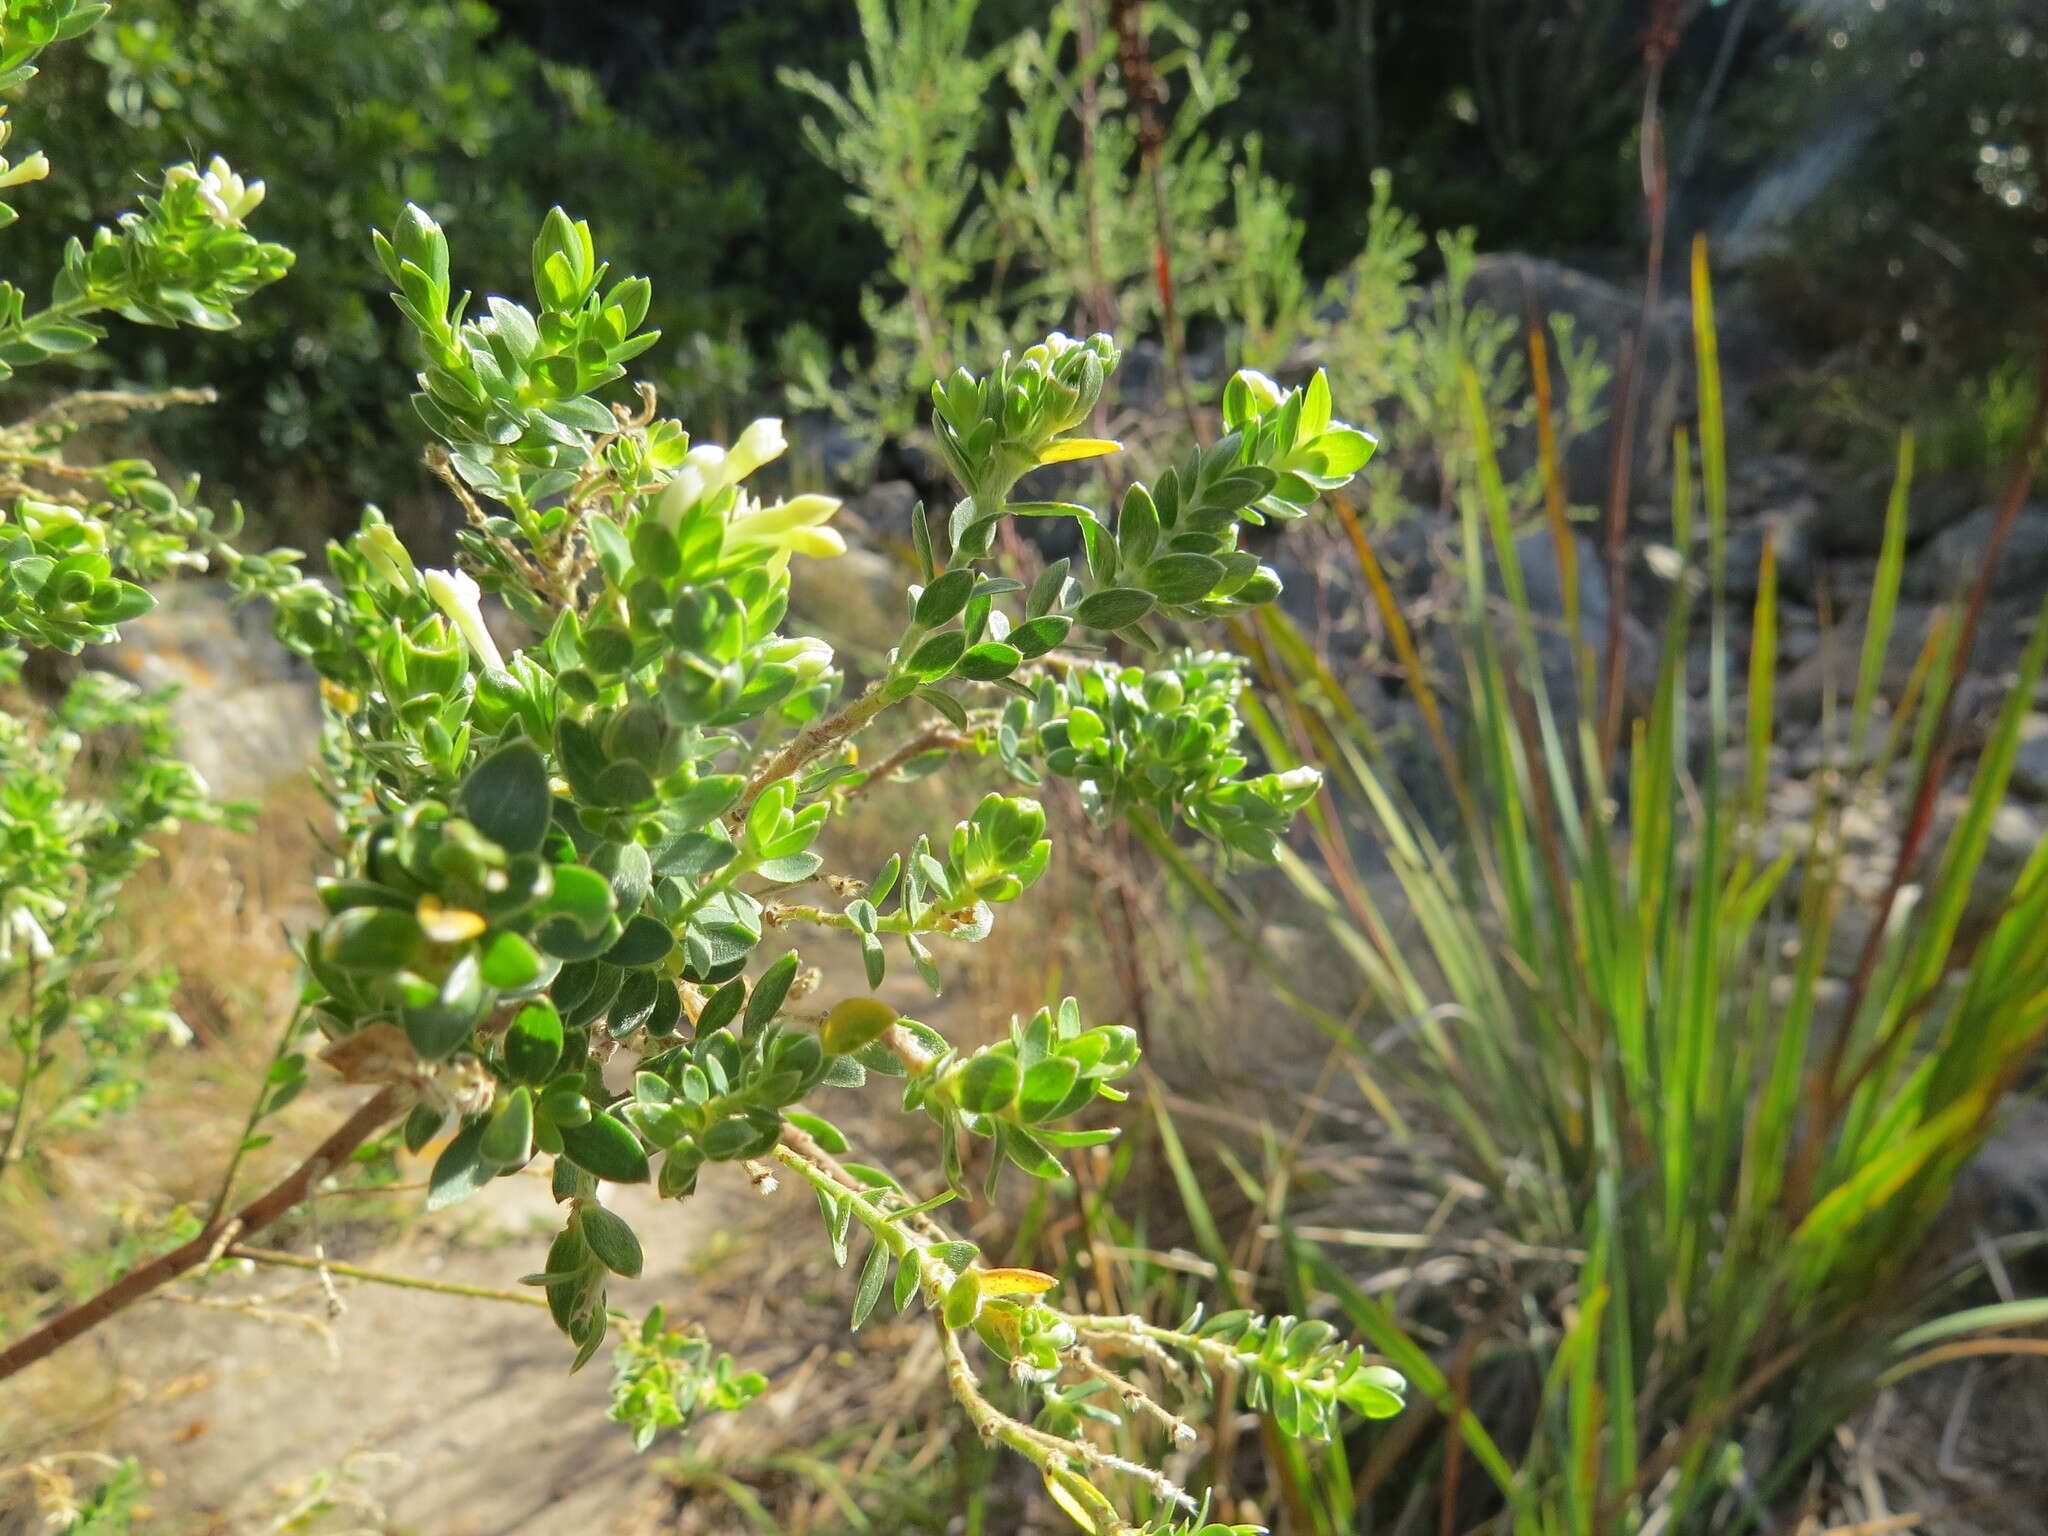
(1297,786)
(761,442)
(385,553)
(34,168)
(707,461)
(792,527)
(808,656)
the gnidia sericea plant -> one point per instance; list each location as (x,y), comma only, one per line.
(561,857)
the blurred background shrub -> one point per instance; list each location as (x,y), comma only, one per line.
(1872,172)
(350,109)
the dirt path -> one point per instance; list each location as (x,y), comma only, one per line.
(432,1413)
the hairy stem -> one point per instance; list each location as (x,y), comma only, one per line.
(810,742)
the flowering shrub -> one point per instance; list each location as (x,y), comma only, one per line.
(563,923)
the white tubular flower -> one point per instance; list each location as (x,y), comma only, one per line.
(456,595)
(1296,787)
(34,168)
(707,462)
(238,196)
(761,442)
(793,527)
(380,545)
(684,490)
(21,928)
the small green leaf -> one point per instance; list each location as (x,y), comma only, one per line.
(827,1135)
(506,797)
(1375,1391)
(963,1300)
(460,1170)
(853,1022)
(722,1007)
(731,1138)
(766,999)
(507,1141)
(533,1043)
(921,539)
(604,1146)
(945,704)
(1114,607)
(646,941)
(1046,1087)
(508,962)
(1182,578)
(612,1240)
(582,895)
(564,1103)
(371,939)
(987,1083)
(873,1274)
(942,601)
(1040,635)
(989,661)
(937,656)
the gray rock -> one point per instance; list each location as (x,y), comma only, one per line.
(1949,561)
(1791,527)
(1543,576)
(247,711)
(1831,664)
(2030,767)
(2007,1182)
(1142,385)
(1764,482)
(1532,289)
(842,458)
(1852,511)
(2016,831)
(883,510)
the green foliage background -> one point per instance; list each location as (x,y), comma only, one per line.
(349,109)
(1847,151)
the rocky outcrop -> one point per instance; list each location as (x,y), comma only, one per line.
(247,711)
(1534,289)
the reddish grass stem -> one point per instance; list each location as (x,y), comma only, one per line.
(1659,40)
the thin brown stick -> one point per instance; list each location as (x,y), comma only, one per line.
(215,1236)
(1659,40)
(383,1277)
(1142,86)
(937,738)
(1916,1518)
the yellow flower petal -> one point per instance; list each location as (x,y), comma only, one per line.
(447,925)
(1071,448)
(818,543)
(1014,1282)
